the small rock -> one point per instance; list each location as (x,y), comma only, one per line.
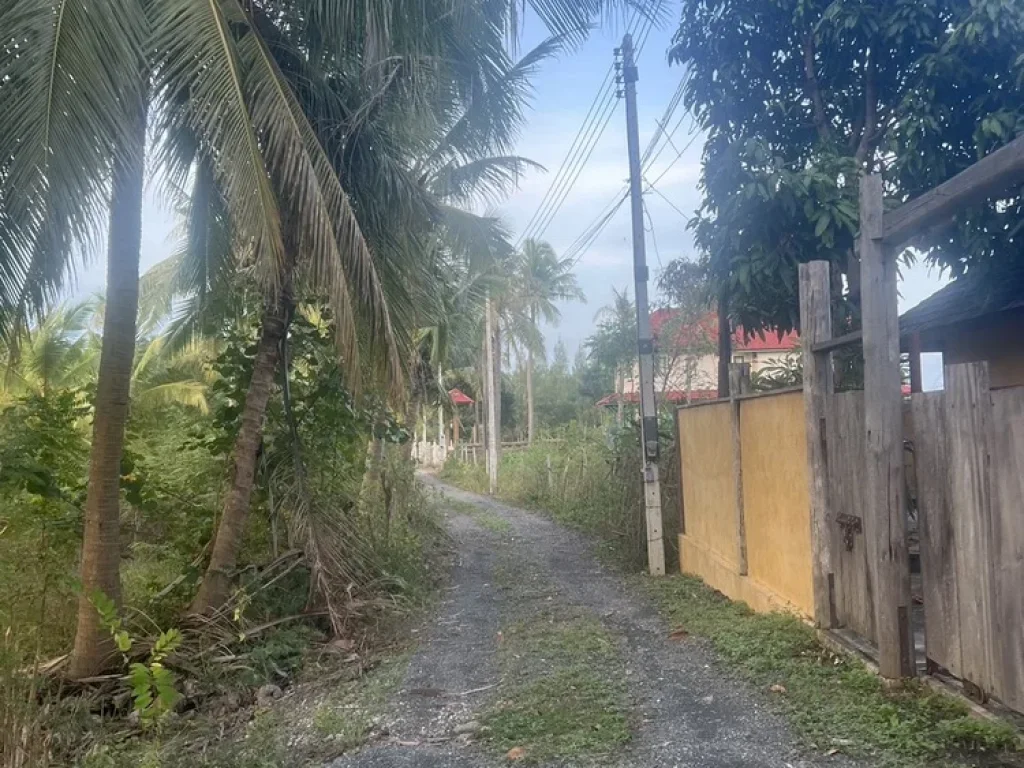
(778,688)
(471,727)
(708,699)
(268,693)
(515,754)
(134,717)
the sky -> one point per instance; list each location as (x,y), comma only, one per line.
(564,90)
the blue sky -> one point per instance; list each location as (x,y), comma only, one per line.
(564,90)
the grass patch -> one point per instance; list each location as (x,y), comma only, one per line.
(833,701)
(565,696)
(485,518)
(347,716)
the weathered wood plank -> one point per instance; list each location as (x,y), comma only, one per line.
(739,384)
(989,176)
(884,511)
(816,327)
(938,533)
(968,426)
(1007,472)
(854,595)
(846,340)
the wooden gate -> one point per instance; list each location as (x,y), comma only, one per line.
(852,591)
(969,448)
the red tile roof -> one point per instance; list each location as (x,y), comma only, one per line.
(706,329)
(459,397)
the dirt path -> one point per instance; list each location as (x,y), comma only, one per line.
(514,567)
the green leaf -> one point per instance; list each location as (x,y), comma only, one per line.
(123,640)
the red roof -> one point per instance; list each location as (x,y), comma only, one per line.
(673,396)
(706,330)
(459,397)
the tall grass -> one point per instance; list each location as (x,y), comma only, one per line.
(591,480)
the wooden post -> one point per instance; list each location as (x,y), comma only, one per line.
(455,426)
(916,378)
(739,384)
(816,327)
(885,524)
(547,464)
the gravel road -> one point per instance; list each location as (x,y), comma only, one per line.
(686,709)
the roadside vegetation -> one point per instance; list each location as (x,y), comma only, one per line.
(833,701)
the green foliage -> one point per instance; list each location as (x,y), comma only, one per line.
(799,97)
(833,701)
(152,685)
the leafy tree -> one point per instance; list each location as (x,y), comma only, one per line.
(541,280)
(612,348)
(800,97)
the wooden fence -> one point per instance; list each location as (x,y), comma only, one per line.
(747,517)
(969,451)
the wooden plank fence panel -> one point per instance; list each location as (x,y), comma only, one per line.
(1007,468)
(854,594)
(969,424)
(938,542)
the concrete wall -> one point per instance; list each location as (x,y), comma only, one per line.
(776,505)
(776,500)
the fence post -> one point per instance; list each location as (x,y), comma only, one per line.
(547,464)
(739,384)
(883,421)
(816,327)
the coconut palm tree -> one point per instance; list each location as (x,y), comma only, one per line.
(79,82)
(542,280)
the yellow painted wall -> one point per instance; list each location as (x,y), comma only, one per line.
(776,497)
(709,495)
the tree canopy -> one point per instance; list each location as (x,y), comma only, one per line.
(800,97)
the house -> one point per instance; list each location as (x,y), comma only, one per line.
(686,367)
(978,317)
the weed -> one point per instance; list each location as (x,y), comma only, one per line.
(832,701)
(566,698)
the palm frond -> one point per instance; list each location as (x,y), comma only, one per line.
(66,73)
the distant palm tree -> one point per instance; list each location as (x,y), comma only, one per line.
(541,280)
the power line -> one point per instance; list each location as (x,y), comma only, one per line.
(654,239)
(659,193)
(594,125)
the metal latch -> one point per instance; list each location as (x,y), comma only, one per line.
(851,526)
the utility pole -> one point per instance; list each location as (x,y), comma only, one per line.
(645,339)
(491,395)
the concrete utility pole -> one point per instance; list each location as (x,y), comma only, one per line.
(645,339)
(491,394)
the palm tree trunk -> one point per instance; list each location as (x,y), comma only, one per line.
(493,417)
(101,545)
(216,586)
(529,384)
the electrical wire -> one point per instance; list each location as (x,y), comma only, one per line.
(581,150)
